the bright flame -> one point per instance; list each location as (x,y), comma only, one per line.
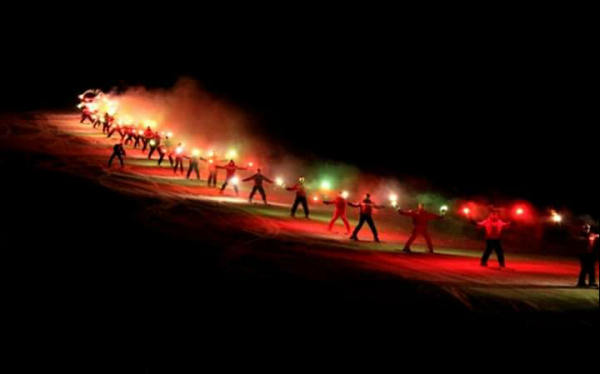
(444,209)
(250,164)
(520,211)
(232,154)
(557,218)
(316,198)
(345,194)
(196,152)
(152,143)
(279,182)
(467,211)
(150,123)
(235,181)
(170,134)
(211,154)
(179,150)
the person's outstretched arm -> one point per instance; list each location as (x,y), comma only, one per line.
(405,213)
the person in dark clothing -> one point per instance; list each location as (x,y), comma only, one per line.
(259,180)
(139,138)
(98,121)
(421,219)
(119,152)
(300,189)
(340,212)
(587,258)
(366,216)
(493,234)
(162,152)
(194,161)
(154,145)
(179,156)
(231,169)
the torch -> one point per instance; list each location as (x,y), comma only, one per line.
(326,186)
(394,200)
(556,218)
(280,182)
(232,154)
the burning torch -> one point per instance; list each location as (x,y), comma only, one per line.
(394,200)
(555,217)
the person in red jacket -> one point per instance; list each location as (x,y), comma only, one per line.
(421,219)
(300,189)
(107,123)
(87,114)
(366,216)
(148,137)
(258,179)
(213,171)
(231,169)
(494,227)
(587,256)
(340,212)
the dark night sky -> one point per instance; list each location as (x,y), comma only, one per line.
(472,115)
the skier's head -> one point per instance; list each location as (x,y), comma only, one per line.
(259,171)
(421,207)
(231,163)
(368,197)
(301,180)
